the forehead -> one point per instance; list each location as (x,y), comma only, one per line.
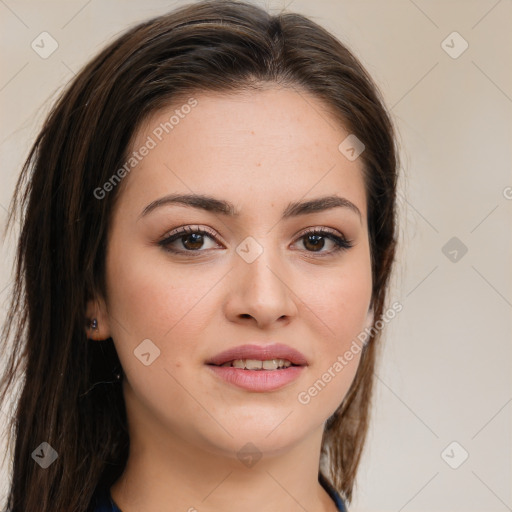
(264,146)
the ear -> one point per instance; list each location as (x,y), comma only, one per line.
(96,309)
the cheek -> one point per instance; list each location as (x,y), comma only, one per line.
(340,305)
(340,299)
(149,296)
(137,300)
(149,300)
(152,299)
(342,317)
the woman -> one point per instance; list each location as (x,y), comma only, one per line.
(208,232)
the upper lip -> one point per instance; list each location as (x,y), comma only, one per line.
(260,353)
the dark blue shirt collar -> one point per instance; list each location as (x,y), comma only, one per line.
(103,501)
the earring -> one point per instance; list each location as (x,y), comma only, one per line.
(94,324)
(118,370)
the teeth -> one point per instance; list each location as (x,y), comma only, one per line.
(273,364)
(255,364)
(251,364)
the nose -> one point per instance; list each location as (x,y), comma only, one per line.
(260,292)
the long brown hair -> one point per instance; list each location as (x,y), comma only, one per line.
(69,397)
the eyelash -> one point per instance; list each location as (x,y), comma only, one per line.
(342,244)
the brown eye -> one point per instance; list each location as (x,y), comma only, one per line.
(192,240)
(314,241)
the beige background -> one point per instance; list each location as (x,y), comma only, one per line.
(446,371)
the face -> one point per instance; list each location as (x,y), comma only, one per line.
(185,283)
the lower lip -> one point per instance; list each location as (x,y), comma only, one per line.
(258,380)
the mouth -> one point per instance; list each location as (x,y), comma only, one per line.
(255,357)
(256,364)
(258,368)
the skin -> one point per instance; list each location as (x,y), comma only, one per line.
(260,151)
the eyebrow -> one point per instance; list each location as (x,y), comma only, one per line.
(220,206)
